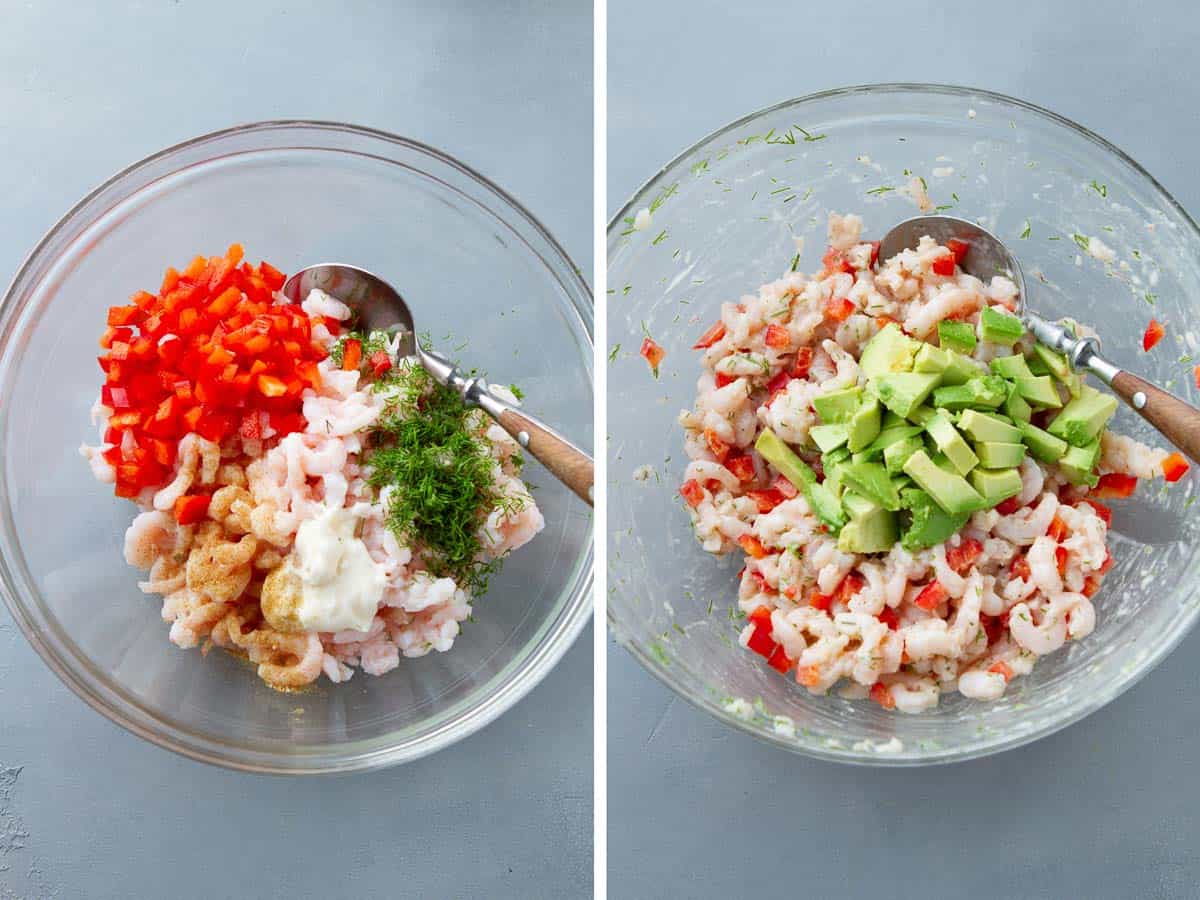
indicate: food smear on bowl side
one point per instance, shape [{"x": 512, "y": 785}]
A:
[
  {"x": 307, "y": 498},
  {"x": 914, "y": 483}
]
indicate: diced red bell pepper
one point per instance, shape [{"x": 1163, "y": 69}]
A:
[
  {"x": 1060, "y": 558},
  {"x": 778, "y": 383},
  {"x": 351, "y": 355},
  {"x": 720, "y": 449},
  {"x": 270, "y": 386},
  {"x": 931, "y": 596},
  {"x": 1000, "y": 667},
  {"x": 761, "y": 615},
  {"x": 785, "y": 487},
  {"x": 761, "y": 641},
  {"x": 710, "y": 337},
  {"x": 958, "y": 248},
  {"x": 962, "y": 557},
  {"x": 1020, "y": 568},
  {"x": 804, "y": 358},
  {"x": 823, "y": 602},
  {"x": 839, "y": 310},
  {"x": 271, "y": 275},
  {"x": 1153, "y": 334},
  {"x": 780, "y": 661},
  {"x": 741, "y": 466},
  {"x": 993, "y": 627},
  {"x": 692, "y": 492},
  {"x": 1091, "y": 585},
  {"x": 943, "y": 265},
  {"x": 777, "y": 337},
  {"x": 1057, "y": 530},
  {"x": 766, "y": 500},
  {"x": 653, "y": 354},
  {"x": 191, "y": 508},
  {"x": 1009, "y": 506},
  {"x": 752, "y": 545},
  {"x": 124, "y": 315},
  {"x": 835, "y": 261},
  {"x": 1114, "y": 486},
  {"x": 889, "y": 617},
  {"x": 882, "y": 695},
  {"x": 1174, "y": 467},
  {"x": 874, "y": 253},
  {"x": 722, "y": 379},
  {"x": 1108, "y": 563},
  {"x": 849, "y": 587}
]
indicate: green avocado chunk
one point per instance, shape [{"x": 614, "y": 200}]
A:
[
  {"x": 1083, "y": 418},
  {"x": 931, "y": 360},
  {"x": 871, "y": 529},
  {"x": 986, "y": 390},
  {"x": 1011, "y": 366},
  {"x": 890, "y": 350},
  {"x": 838, "y": 407},
  {"x": 1044, "y": 446},
  {"x": 872, "y": 481},
  {"x": 996, "y": 485},
  {"x": 829, "y": 437},
  {"x": 961, "y": 370},
  {"x": 929, "y": 524},
  {"x": 998, "y": 327},
  {"x": 981, "y": 426},
  {"x": 895, "y": 455},
  {"x": 1038, "y": 391},
  {"x": 902, "y": 392},
  {"x": 1078, "y": 462},
  {"x": 1015, "y": 406},
  {"x": 951, "y": 492},
  {"x": 823, "y": 502},
  {"x": 1056, "y": 364},
  {"x": 957, "y": 336},
  {"x": 994, "y": 455},
  {"x": 947, "y": 439},
  {"x": 863, "y": 426},
  {"x": 888, "y": 435}
]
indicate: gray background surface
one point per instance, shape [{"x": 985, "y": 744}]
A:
[
  {"x": 1107, "y": 808},
  {"x": 87, "y": 809}
]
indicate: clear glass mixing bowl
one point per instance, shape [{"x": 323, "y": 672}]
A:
[
  {"x": 481, "y": 274},
  {"x": 724, "y": 215}
]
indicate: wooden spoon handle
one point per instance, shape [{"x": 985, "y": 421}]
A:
[
  {"x": 1178, "y": 422},
  {"x": 573, "y": 467}
]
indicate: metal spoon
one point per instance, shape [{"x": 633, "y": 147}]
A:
[
  {"x": 379, "y": 307},
  {"x": 1178, "y": 421}
]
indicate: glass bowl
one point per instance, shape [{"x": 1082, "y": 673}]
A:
[
  {"x": 482, "y": 276},
  {"x": 724, "y": 214}
]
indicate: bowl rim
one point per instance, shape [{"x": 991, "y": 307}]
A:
[
  {"x": 847, "y": 756},
  {"x": 577, "y": 612}
]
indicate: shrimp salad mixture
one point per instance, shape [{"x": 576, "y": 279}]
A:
[
  {"x": 306, "y": 499},
  {"x": 915, "y": 485}
]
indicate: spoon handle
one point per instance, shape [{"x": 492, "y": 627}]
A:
[
  {"x": 1179, "y": 422},
  {"x": 573, "y": 467}
]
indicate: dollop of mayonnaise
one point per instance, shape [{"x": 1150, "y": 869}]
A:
[{"x": 340, "y": 585}]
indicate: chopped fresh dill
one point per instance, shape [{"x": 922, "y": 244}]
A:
[
  {"x": 428, "y": 448},
  {"x": 667, "y": 192},
  {"x": 881, "y": 190},
  {"x": 662, "y": 236},
  {"x": 517, "y": 392},
  {"x": 612, "y": 354},
  {"x": 1081, "y": 240},
  {"x": 699, "y": 167},
  {"x": 1101, "y": 189},
  {"x": 1025, "y": 232},
  {"x": 809, "y": 138}
]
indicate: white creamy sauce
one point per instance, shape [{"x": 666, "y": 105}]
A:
[{"x": 341, "y": 585}]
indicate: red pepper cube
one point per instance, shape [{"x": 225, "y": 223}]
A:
[
  {"x": 943, "y": 265},
  {"x": 191, "y": 508},
  {"x": 710, "y": 337}
]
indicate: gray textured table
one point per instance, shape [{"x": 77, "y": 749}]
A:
[
  {"x": 1106, "y": 808},
  {"x": 87, "y": 809}
]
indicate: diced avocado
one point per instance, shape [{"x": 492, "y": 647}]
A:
[
  {"x": 895, "y": 455},
  {"x": 930, "y": 524},
  {"x": 1038, "y": 391},
  {"x": 1082, "y": 419},
  {"x": 996, "y": 485},
  {"x": 998, "y": 327},
  {"x": 986, "y": 390},
  {"x": 1037, "y": 365},
  {"x": 922, "y": 414},
  {"x": 1043, "y": 445},
  {"x": 994, "y": 455},
  {"x": 931, "y": 360},
  {"x": 864, "y": 425},
  {"x": 891, "y": 350},
  {"x": 1055, "y": 362},
  {"x": 888, "y": 436},
  {"x": 1078, "y": 462},
  {"x": 871, "y": 529},
  {"x": 942, "y": 461},
  {"x": 902, "y": 392},
  {"x": 950, "y": 492},
  {"x": 837, "y": 407},
  {"x": 948, "y": 441},
  {"x": 1011, "y": 366},
  {"x": 1015, "y": 406},
  {"x": 829, "y": 437},
  {"x": 871, "y": 480},
  {"x": 822, "y": 501},
  {"x": 961, "y": 370},
  {"x": 958, "y": 336},
  {"x": 981, "y": 426},
  {"x": 890, "y": 419}
]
